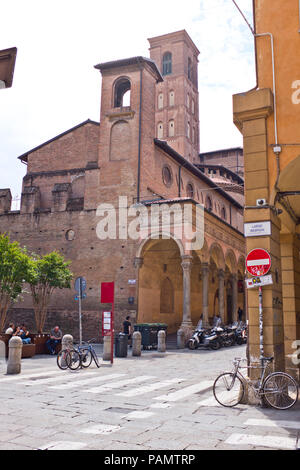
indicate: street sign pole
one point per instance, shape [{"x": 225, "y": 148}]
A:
[
  {"x": 80, "y": 314},
  {"x": 258, "y": 263},
  {"x": 261, "y": 325}
]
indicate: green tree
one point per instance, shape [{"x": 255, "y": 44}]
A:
[
  {"x": 50, "y": 272},
  {"x": 15, "y": 267}
]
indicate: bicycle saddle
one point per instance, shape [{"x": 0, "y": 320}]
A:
[{"x": 268, "y": 359}]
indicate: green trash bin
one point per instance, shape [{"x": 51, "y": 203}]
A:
[{"x": 149, "y": 332}]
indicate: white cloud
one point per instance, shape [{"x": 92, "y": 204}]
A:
[{"x": 55, "y": 85}]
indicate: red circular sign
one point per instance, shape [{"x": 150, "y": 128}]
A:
[{"x": 258, "y": 262}]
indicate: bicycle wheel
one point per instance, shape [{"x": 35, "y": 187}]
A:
[
  {"x": 74, "y": 361},
  {"x": 95, "y": 357},
  {"x": 63, "y": 359},
  {"x": 228, "y": 390},
  {"x": 280, "y": 391},
  {"x": 86, "y": 358}
]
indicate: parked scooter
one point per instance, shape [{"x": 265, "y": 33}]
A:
[
  {"x": 198, "y": 337},
  {"x": 241, "y": 334}
]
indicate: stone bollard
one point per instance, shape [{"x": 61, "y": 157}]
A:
[
  {"x": 2, "y": 357},
  {"x": 180, "y": 339},
  {"x": 14, "y": 356},
  {"x": 137, "y": 344},
  {"x": 107, "y": 348},
  {"x": 66, "y": 343},
  {"x": 162, "y": 341}
]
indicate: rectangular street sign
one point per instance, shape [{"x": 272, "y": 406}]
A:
[
  {"x": 258, "y": 229},
  {"x": 107, "y": 323},
  {"x": 259, "y": 282}
]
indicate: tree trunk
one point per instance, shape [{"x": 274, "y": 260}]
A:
[{"x": 4, "y": 305}]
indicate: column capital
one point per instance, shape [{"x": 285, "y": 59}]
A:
[
  {"x": 221, "y": 273},
  {"x": 138, "y": 262},
  {"x": 205, "y": 268},
  {"x": 187, "y": 262}
]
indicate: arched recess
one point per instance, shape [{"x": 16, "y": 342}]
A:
[
  {"x": 154, "y": 238},
  {"x": 216, "y": 254},
  {"x": 120, "y": 132},
  {"x": 230, "y": 261},
  {"x": 122, "y": 87}
]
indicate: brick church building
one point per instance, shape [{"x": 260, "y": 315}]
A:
[{"x": 145, "y": 149}]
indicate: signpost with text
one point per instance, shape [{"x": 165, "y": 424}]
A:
[
  {"x": 258, "y": 265},
  {"x": 108, "y": 297}
]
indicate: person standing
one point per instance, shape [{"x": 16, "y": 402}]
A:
[
  {"x": 240, "y": 314},
  {"x": 127, "y": 327}
]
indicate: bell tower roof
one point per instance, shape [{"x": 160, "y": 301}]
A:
[{"x": 131, "y": 61}]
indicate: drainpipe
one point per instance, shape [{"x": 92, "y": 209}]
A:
[
  {"x": 179, "y": 181},
  {"x": 277, "y": 149},
  {"x": 140, "y": 139}
]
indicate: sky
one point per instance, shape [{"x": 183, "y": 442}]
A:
[{"x": 55, "y": 84}]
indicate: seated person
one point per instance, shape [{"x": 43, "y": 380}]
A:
[
  {"x": 24, "y": 335},
  {"x": 10, "y": 330},
  {"x": 55, "y": 339}
]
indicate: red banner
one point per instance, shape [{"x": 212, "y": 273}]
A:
[{"x": 107, "y": 292}]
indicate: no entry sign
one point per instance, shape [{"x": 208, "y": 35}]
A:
[{"x": 258, "y": 262}]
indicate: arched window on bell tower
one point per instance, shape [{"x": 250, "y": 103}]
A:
[
  {"x": 122, "y": 93},
  {"x": 167, "y": 64},
  {"x": 160, "y": 130}
]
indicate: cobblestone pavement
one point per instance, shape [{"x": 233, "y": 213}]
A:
[{"x": 156, "y": 402}]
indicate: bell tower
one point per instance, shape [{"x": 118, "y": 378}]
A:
[
  {"x": 126, "y": 125},
  {"x": 177, "y": 97}
]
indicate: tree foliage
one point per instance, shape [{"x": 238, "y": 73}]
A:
[
  {"x": 15, "y": 267},
  {"x": 50, "y": 272}
]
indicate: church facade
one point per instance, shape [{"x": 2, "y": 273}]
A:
[{"x": 144, "y": 154}]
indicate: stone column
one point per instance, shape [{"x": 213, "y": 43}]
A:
[
  {"x": 290, "y": 262},
  {"x": 205, "y": 291},
  {"x": 252, "y": 111},
  {"x": 138, "y": 264},
  {"x": 187, "y": 268},
  {"x": 221, "y": 276},
  {"x": 234, "y": 280}
]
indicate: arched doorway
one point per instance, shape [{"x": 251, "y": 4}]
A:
[{"x": 160, "y": 295}]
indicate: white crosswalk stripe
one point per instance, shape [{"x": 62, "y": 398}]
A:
[
  {"x": 67, "y": 376},
  {"x": 272, "y": 442},
  {"x": 101, "y": 429},
  {"x": 211, "y": 401},
  {"x": 26, "y": 376},
  {"x": 138, "y": 415},
  {"x": 185, "y": 392},
  {"x": 149, "y": 388},
  {"x": 82, "y": 383},
  {"x": 119, "y": 384},
  {"x": 268, "y": 423},
  {"x": 63, "y": 445}
]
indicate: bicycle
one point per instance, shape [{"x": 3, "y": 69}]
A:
[
  {"x": 278, "y": 389},
  {"x": 74, "y": 358},
  {"x": 66, "y": 357},
  {"x": 87, "y": 354}
]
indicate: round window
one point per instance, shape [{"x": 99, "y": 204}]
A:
[{"x": 167, "y": 175}]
